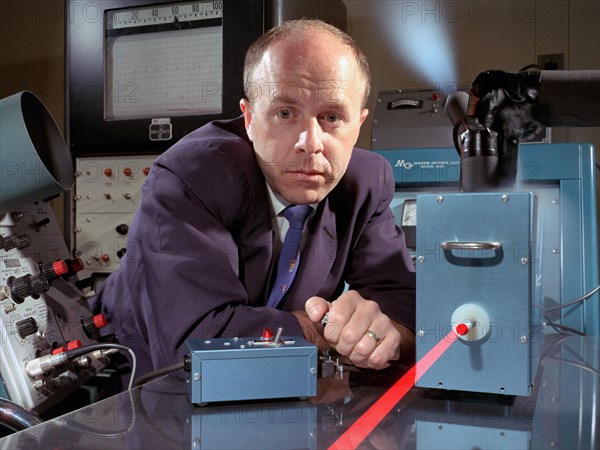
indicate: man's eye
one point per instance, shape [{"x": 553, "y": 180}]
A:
[
  {"x": 332, "y": 117},
  {"x": 284, "y": 114}
]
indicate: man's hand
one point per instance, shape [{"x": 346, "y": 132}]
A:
[{"x": 358, "y": 329}]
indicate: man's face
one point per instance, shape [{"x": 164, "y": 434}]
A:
[{"x": 305, "y": 116}]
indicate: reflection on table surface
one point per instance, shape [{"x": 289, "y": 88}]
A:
[{"x": 562, "y": 413}]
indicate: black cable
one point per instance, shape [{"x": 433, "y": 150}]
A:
[
  {"x": 574, "y": 302},
  {"x": 77, "y": 352},
  {"x": 157, "y": 373},
  {"x": 558, "y": 327},
  {"x": 576, "y": 364}
]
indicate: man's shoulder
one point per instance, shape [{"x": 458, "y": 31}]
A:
[
  {"x": 365, "y": 166},
  {"x": 211, "y": 149},
  {"x": 209, "y": 140}
]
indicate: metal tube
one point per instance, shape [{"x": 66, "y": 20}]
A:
[
  {"x": 16, "y": 417},
  {"x": 569, "y": 98}
]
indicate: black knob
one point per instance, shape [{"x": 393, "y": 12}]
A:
[
  {"x": 9, "y": 242},
  {"x": 39, "y": 284},
  {"x": 27, "y": 327},
  {"x": 27, "y": 285},
  {"x": 122, "y": 229},
  {"x": 20, "y": 288},
  {"x": 121, "y": 253}
]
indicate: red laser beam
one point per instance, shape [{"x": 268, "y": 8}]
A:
[{"x": 360, "y": 429}]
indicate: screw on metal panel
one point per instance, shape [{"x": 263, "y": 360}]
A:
[
  {"x": 439, "y": 199},
  {"x": 523, "y": 339},
  {"x": 505, "y": 197},
  {"x": 524, "y": 260},
  {"x": 421, "y": 333},
  {"x": 556, "y": 251},
  {"x": 197, "y": 376},
  {"x": 197, "y": 442},
  {"x": 421, "y": 259},
  {"x": 556, "y": 201},
  {"x": 313, "y": 371}
]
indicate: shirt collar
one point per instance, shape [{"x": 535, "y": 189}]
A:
[{"x": 278, "y": 203}]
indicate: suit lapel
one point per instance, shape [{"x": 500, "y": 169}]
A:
[{"x": 318, "y": 257}]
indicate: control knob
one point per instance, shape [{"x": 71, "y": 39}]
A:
[
  {"x": 122, "y": 229},
  {"x": 27, "y": 285},
  {"x": 91, "y": 325},
  {"x": 54, "y": 270},
  {"x": 27, "y": 327},
  {"x": 13, "y": 241}
]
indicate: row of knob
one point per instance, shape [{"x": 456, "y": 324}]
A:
[
  {"x": 90, "y": 325},
  {"x": 19, "y": 288}
]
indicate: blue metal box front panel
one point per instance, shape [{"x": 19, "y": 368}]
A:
[
  {"x": 242, "y": 369},
  {"x": 495, "y": 281},
  {"x": 287, "y": 425}
]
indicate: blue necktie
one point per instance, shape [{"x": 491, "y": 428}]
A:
[{"x": 289, "y": 258}]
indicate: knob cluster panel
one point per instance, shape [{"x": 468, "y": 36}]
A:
[
  {"x": 42, "y": 311},
  {"x": 107, "y": 192}
]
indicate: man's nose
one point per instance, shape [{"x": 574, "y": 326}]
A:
[{"x": 310, "y": 139}]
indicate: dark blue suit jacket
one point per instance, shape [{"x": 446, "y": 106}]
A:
[{"x": 200, "y": 251}]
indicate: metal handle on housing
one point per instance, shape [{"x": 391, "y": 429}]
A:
[{"x": 471, "y": 245}]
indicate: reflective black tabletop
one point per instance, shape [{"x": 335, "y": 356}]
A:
[{"x": 562, "y": 413}]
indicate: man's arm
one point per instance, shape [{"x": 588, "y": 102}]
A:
[
  {"x": 184, "y": 273},
  {"x": 372, "y": 323},
  {"x": 351, "y": 320}
]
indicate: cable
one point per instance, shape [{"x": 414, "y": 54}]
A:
[
  {"x": 15, "y": 417},
  {"x": 77, "y": 352},
  {"x": 157, "y": 373},
  {"x": 559, "y": 327},
  {"x": 575, "y": 364},
  {"x": 577, "y": 300}
]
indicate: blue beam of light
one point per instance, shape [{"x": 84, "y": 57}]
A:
[{"x": 420, "y": 36}]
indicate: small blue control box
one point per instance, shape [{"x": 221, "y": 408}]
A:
[{"x": 234, "y": 369}]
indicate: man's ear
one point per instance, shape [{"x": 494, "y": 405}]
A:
[
  {"x": 247, "y": 112},
  {"x": 363, "y": 115}
]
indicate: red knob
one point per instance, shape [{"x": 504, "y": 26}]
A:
[
  {"x": 60, "y": 267},
  {"x": 267, "y": 334},
  {"x": 99, "y": 320}
]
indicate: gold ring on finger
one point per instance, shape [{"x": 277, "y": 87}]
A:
[{"x": 373, "y": 336}]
